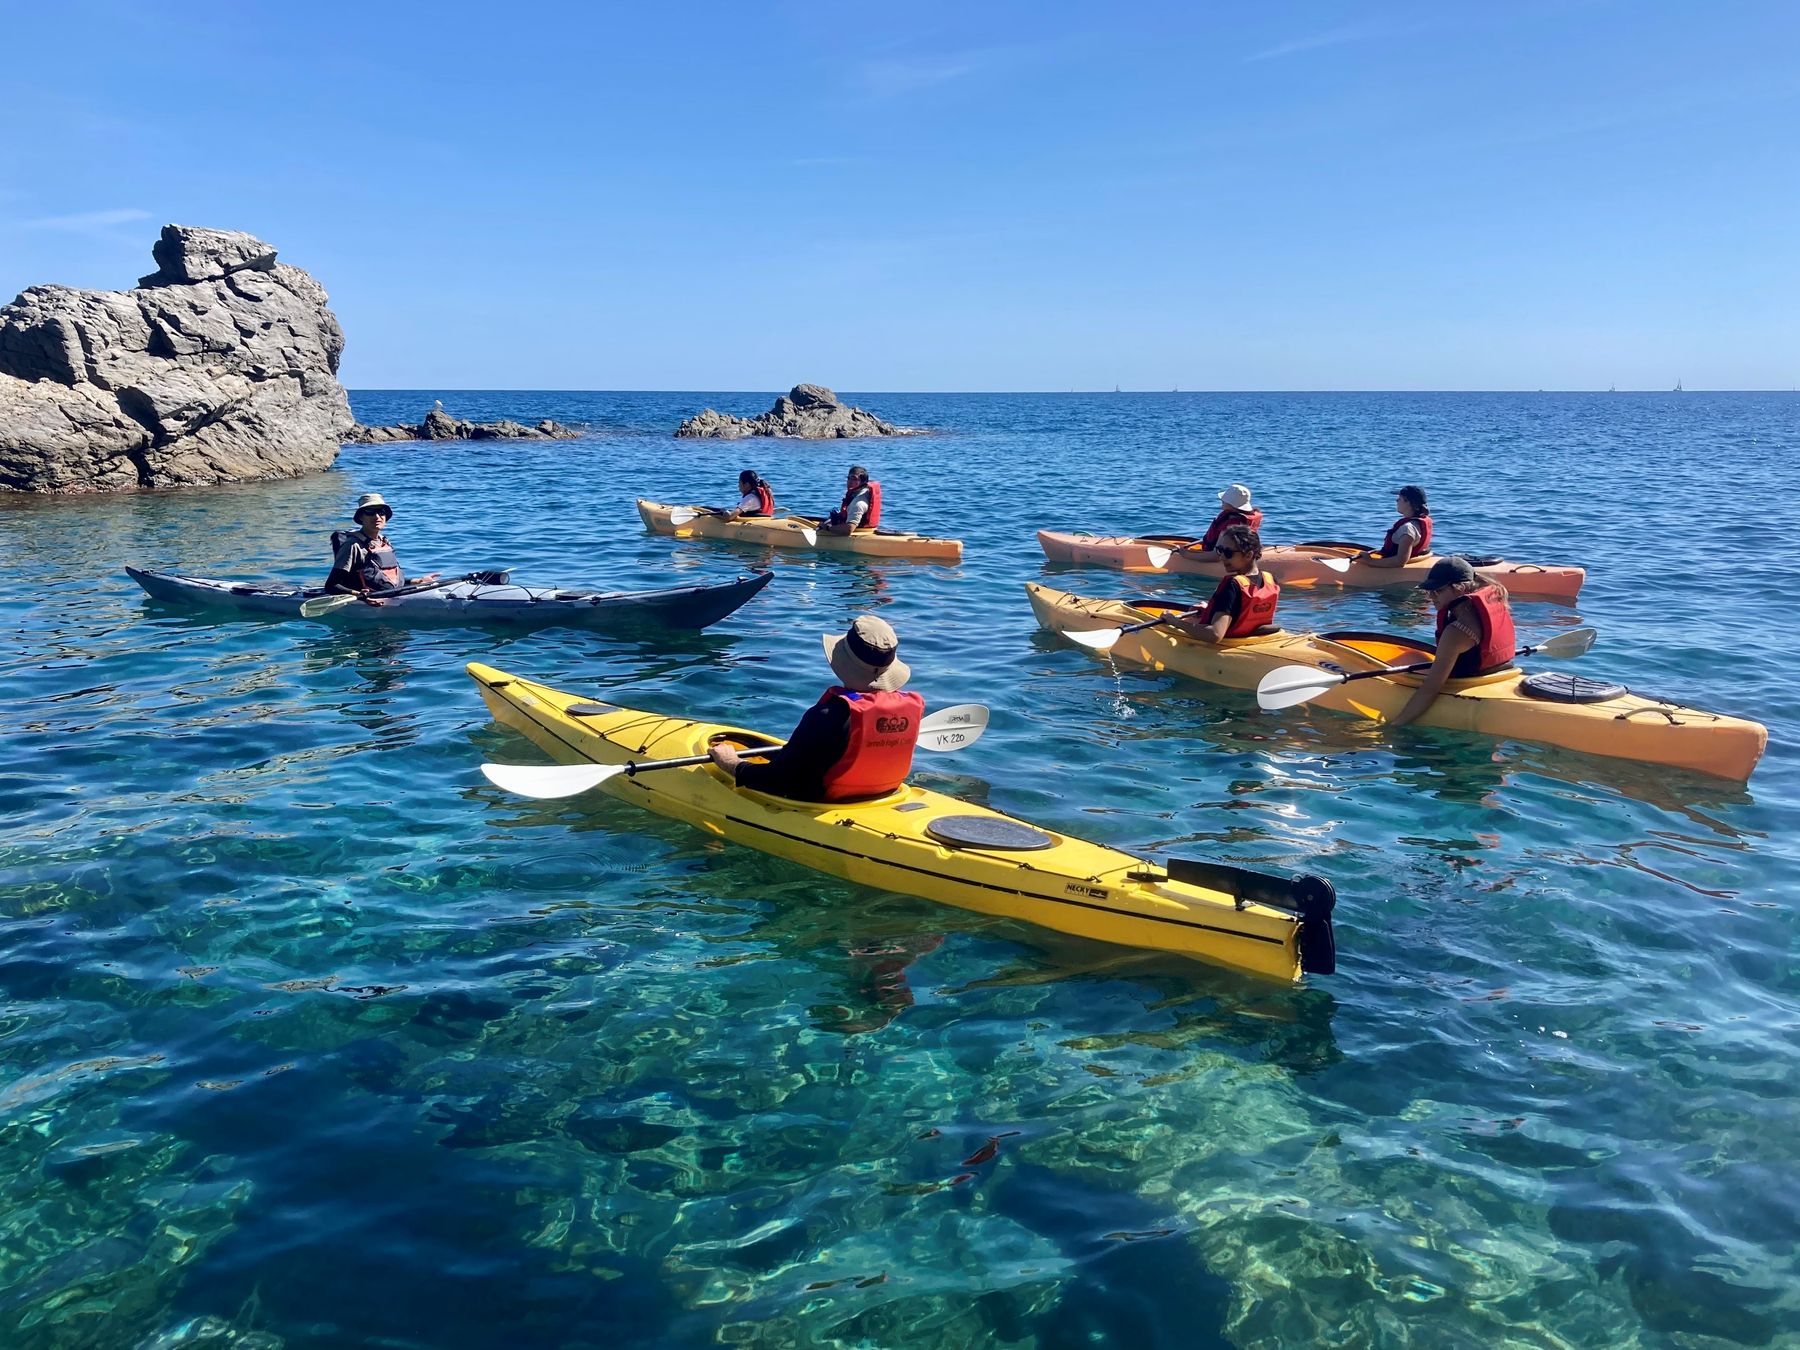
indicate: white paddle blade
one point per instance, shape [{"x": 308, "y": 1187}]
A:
[
  {"x": 1287, "y": 688},
  {"x": 546, "y": 781},
  {"x": 681, "y": 515},
  {"x": 810, "y": 535},
  {"x": 953, "y": 728},
  {"x": 1159, "y": 557},
  {"x": 1098, "y": 639},
  {"x": 1575, "y": 642},
  {"x": 1335, "y": 564},
  {"x": 324, "y": 604}
]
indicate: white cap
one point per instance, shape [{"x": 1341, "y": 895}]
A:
[{"x": 1237, "y": 496}]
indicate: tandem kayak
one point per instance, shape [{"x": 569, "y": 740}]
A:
[
  {"x": 465, "y": 602},
  {"x": 795, "y": 532},
  {"x": 1610, "y": 720},
  {"x": 919, "y": 842},
  {"x": 1299, "y": 564}
]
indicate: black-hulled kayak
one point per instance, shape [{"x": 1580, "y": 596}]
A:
[{"x": 474, "y": 602}]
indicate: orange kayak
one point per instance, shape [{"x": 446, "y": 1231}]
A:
[
  {"x": 1297, "y": 564},
  {"x": 701, "y": 522},
  {"x": 1622, "y": 725}
]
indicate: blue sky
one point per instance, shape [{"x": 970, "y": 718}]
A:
[{"x": 932, "y": 196}]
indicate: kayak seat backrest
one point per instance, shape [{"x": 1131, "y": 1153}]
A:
[
  {"x": 1169, "y": 539},
  {"x": 1555, "y": 686},
  {"x": 1481, "y": 559},
  {"x": 1383, "y": 646}
]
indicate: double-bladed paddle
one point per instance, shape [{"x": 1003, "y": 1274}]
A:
[
  {"x": 683, "y": 515},
  {"x": 1102, "y": 639},
  {"x": 1294, "y": 685},
  {"x": 953, "y": 728},
  {"x": 320, "y": 605},
  {"x": 1159, "y": 558}
]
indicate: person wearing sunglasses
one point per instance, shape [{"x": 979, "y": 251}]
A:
[
  {"x": 363, "y": 562},
  {"x": 1243, "y": 603}
]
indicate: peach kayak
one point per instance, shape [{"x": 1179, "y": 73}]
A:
[{"x": 1298, "y": 564}]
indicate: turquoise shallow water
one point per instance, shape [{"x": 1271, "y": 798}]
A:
[{"x": 308, "y": 1037}]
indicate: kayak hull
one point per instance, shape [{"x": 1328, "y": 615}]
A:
[
  {"x": 685, "y": 607},
  {"x": 1296, "y": 564},
  {"x": 1650, "y": 731},
  {"x": 789, "y": 532},
  {"x": 1071, "y": 885}
]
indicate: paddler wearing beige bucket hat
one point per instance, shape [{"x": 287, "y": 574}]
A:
[
  {"x": 856, "y": 741},
  {"x": 363, "y": 562}
]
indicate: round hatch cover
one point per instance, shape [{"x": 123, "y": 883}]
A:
[
  {"x": 1557, "y": 687},
  {"x": 987, "y": 832}
]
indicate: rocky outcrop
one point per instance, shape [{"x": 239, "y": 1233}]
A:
[
  {"x": 440, "y": 426},
  {"x": 220, "y": 366},
  {"x": 809, "y": 411}
]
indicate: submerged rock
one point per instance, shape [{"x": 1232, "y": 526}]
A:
[
  {"x": 219, "y": 366},
  {"x": 440, "y": 426},
  {"x": 807, "y": 411}
]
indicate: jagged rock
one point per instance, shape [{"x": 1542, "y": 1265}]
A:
[
  {"x": 187, "y": 253},
  {"x": 807, "y": 411},
  {"x": 440, "y": 426},
  {"x": 220, "y": 366}
]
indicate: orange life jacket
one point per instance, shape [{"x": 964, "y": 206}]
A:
[
  {"x": 873, "y": 518},
  {"x": 1389, "y": 548},
  {"x": 1225, "y": 519},
  {"x": 1498, "y": 642},
  {"x": 1255, "y": 609},
  {"x": 884, "y": 728},
  {"x": 765, "y": 498}
]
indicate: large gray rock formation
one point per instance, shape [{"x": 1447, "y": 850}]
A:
[
  {"x": 809, "y": 411},
  {"x": 441, "y": 426},
  {"x": 220, "y": 366}
]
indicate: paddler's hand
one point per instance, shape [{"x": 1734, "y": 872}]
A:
[
  {"x": 371, "y": 600},
  {"x": 420, "y": 581},
  {"x": 725, "y": 756}
]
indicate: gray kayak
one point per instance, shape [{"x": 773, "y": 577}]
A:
[{"x": 467, "y": 601}]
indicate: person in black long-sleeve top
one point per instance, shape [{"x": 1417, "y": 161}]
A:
[{"x": 857, "y": 741}]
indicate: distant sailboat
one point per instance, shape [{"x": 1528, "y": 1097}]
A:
[
  {"x": 1115, "y": 389},
  {"x": 1678, "y": 389},
  {"x": 1612, "y": 388}
]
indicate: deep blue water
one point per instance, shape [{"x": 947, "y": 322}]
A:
[{"x": 310, "y": 1038}]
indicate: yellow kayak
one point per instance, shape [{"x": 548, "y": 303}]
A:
[
  {"x": 920, "y": 842},
  {"x": 1624, "y": 725},
  {"x": 796, "y": 532}
]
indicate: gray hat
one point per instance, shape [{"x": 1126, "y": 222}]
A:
[
  {"x": 1447, "y": 572},
  {"x": 370, "y": 501},
  {"x": 864, "y": 657}
]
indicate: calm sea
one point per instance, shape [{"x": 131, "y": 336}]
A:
[{"x": 310, "y": 1038}]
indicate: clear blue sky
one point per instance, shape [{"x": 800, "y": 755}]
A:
[{"x": 1434, "y": 195}]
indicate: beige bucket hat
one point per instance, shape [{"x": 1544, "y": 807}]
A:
[
  {"x": 864, "y": 657},
  {"x": 370, "y": 501}
]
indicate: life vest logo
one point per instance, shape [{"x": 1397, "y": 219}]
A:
[{"x": 892, "y": 726}]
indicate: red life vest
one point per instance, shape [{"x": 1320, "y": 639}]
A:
[
  {"x": 380, "y": 567},
  {"x": 765, "y": 498},
  {"x": 884, "y": 728},
  {"x": 873, "y": 518},
  {"x": 1255, "y": 608},
  {"x": 1421, "y": 549},
  {"x": 1225, "y": 520},
  {"x": 1498, "y": 642}
]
